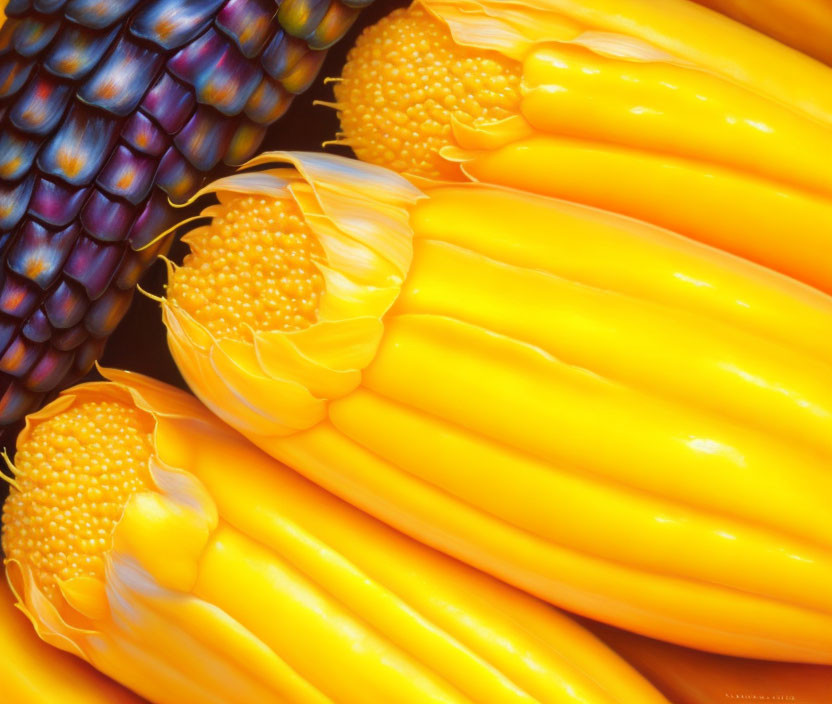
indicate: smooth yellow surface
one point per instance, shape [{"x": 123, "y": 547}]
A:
[
  {"x": 806, "y": 25},
  {"x": 789, "y": 228},
  {"x": 681, "y": 110},
  {"x": 34, "y": 673},
  {"x": 233, "y": 579},
  {"x": 625, "y": 422},
  {"x": 664, "y": 111}
]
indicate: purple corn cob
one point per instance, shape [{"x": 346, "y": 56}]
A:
[{"x": 108, "y": 108}]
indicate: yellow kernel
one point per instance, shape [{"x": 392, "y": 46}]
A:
[
  {"x": 57, "y": 521},
  {"x": 259, "y": 276},
  {"x": 404, "y": 80}
]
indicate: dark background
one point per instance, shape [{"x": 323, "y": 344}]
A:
[{"x": 139, "y": 342}]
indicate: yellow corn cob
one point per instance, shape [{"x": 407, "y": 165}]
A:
[
  {"x": 625, "y": 422},
  {"x": 660, "y": 110},
  {"x": 803, "y": 24},
  {"x": 34, "y": 673},
  {"x": 147, "y": 537}
]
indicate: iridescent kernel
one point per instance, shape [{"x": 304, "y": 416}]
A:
[
  {"x": 252, "y": 268},
  {"x": 74, "y": 475},
  {"x": 403, "y": 82}
]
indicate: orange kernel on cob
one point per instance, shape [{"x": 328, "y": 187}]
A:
[
  {"x": 253, "y": 267},
  {"x": 75, "y": 473},
  {"x": 405, "y": 80}
]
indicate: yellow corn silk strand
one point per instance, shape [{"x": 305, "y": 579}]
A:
[
  {"x": 661, "y": 110},
  {"x": 34, "y": 673},
  {"x": 804, "y": 25},
  {"x": 625, "y": 422},
  {"x": 145, "y": 536}
]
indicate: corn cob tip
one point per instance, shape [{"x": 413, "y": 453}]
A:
[
  {"x": 294, "y": 270},
  {"x": 406, "y": 82},
  {"x": 261, "y": 263},
  {"x": 73, "y": 475},
  {"x": 88, "y": 485}
]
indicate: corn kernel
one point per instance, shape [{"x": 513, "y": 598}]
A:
[
  {"x": 254, "y": 268},
  {"x": 403, "y": 82},
  {"x": 75, "y": 473}
]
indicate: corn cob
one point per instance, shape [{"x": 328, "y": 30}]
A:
[
  {"x": 32, "y": 673},
  {"x": 692, "y": 677},
  {"x": 804, "y": 25},
  {"x": 627, "y": 423},
  {"x": 660, "y": 110},
  {"x": 109, "y": 109},
  {"x": 192, "y": 584}
]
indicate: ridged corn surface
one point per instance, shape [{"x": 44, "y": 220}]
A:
[
  {"x": 108, "y": 109},
  {"x": 254, "y": 585},
  {"x": 625, "y": 422},
  {"x": 622, "y": 106}
]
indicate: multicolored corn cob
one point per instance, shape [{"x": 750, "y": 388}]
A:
[{"x": 108, "y": 109}]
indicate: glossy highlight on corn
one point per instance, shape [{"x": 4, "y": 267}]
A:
[
  {"x": 622, "y": 421},
  {"x": 148, "y": 538},
  {"x": 667, "y": 112}
]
